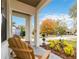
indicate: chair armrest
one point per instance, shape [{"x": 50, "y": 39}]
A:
[
  {"x": 46, "y": 56},
  {"x": 21, "y": 50}
]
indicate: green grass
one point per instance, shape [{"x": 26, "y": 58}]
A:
[
  {"x": 72, "y": 42},
  {"x": 54, "y": 36}
]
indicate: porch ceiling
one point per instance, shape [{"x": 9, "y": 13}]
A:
[{"x": 33, "y": 3}]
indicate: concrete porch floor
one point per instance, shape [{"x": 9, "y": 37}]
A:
[{"x": 41, "y": 51}]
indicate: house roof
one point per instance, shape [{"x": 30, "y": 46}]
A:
[{"x": 33, "y": 3}]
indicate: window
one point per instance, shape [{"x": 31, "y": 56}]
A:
[
  {"x": 3, "y": 21},
  {"x": 19, "y": 25},
  {"x": 3, "y": 29}
]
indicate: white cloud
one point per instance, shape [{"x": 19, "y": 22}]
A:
[
  {"x": 66, "y": 17},
  {"x": 61, "y": 16}
]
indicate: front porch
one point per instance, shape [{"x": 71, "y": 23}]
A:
[
  {"x": 41, "y": 51},
  {"x": 25, "y": 9}
]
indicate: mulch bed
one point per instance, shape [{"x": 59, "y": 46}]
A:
[{"x": 61, "y": 54}]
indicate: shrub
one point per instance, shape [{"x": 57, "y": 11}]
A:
[
  {"x": 51, "y": 43},
  {"x": 69, "y": 50},
  {"x": 65, "y": 43},
  {"x": 22, "y": 33},
  {"x": 56, "y": 41},
  {"x": 57, "y": 48}
]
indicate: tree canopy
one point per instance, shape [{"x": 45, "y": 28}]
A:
[
  {"x": 48, "y": 26},
  {"x": 73, "y": 11}
]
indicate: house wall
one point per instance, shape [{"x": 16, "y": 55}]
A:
[
  {"x": 4, "y": 44},
  {"x": 4, "y": 50},
  {"x": 3, "y": 21}
]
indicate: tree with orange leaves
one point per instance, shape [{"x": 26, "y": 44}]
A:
[{"x": 48, "y": 26}]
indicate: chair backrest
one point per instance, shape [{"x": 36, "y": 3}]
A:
[{"x": 16, "y": 45}]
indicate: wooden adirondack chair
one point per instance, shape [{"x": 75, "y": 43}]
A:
[{"x": 23, "y": 51}]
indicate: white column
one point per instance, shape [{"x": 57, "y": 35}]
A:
[
  {"x": 36, "y": 27},
  {"x": 28, "y": 28},
  {"x": 9, "y": 24},
  {"x": 9, "y": 20},
  {"x": 26, "y": 37}
]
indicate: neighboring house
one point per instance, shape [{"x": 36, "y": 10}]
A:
[
  {"x": 17, "y": 31},
  {"x": 13, "y": 30}
]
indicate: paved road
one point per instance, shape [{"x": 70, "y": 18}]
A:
[{"x": 65, "y": 37}]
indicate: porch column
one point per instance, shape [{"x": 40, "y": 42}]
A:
[
  {"x": 9, "y": 20},
  {"x": 9, "y": 24},
  {"x": 36, "y": 31},
  {"x": 28, "y": 28}
]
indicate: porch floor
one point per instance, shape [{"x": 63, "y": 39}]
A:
[{"x": 41, "y": 51}]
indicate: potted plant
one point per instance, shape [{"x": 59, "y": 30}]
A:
[
  {"x": 43, "y": 38},
  {"x": 22, "y": 33}
]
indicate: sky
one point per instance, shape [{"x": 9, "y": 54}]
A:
[
  {"x": 18, "y": 20},
  {"x": 55, "y": 9}
]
